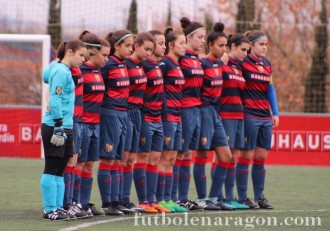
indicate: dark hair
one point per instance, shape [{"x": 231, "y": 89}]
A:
[
  {"x": 143, "y": 36},
  {"x": 91, "y": 40},
  {"x": 117, "y": 37},
  {"x": 74, "y": 45},
  {"x": 254, "y": 35},
  {"x": 155, "y": 32},
  {"x": 104, "y": 43},
  {"x": 216, "y": 33},
  {"x": 188, "y": 26},
  {"x": 171, "y": 36},
  {"x": 237, "y": 39}
]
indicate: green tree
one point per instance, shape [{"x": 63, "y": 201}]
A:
[
  {"x": 169, "y": 15},
  {"x": 315, "y": 91},
  {"x": 245, "y": 16},
  {"x": 54, "y": 28},
  {"x": 132, "y": 18},
  {"x": 208, "y": 22}
]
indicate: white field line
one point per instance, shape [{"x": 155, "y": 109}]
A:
[{"x": 89, "y": 224}]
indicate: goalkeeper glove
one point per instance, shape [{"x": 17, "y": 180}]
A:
[{"x": 59, "y": 136}]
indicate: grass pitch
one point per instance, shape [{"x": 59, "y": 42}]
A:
[{"x": 300, "y": 196}]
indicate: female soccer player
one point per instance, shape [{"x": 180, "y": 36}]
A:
[
  {"x": 231, "y": 110},
  {"x": 212, "y": 134},
  {"x": 193, "y": 74},
  {"x": 259, "y": 98},
  {"x": 93, "y": 93},
  {"x": 145, "y": 171},
  {"x": 175, "y": 42},
  {"x": 143, "y": 47},
  {"x": 57, "y": 125},
  {"x": 72, "y": 173},
  {"x": 113, "y": 125}
]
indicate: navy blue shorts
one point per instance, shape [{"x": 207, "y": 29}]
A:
[
  {"x": 212, "y": 131},
  {"x": 257, "y": 132},
  {"x": 77, "y": 137},
  {"x": 191, "y": 125},
  {"x": 172, "y": 135},
  {"x": 113, "y": 128},
  {"x": 90, "y": 143},
  {"x": 152, "y": 137},
  {"x": 234, "y": 129},
  {"x": 134, "y": 122}
]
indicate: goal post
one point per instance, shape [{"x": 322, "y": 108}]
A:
[{"x": 45, "y": 40}]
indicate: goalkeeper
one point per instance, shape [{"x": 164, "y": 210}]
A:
[{"x": 56, "y": 127}]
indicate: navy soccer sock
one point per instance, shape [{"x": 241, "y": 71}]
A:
[
  {"x": 176, "y": 174},
  {"x": 258, "y": 178},
  {"x": 127, "y": 183},
  {"x": 218, "y": 179},
  {"x": 139, "y": 176},
  {"x": 242, "y": 176},
  {"x": 152, "y": 178},
  {"x": 104, "y": 183},
  {"x": 230, "y": 181},
  {"x": 184, "y": 180},
  {"x": 200, "y": 177}
]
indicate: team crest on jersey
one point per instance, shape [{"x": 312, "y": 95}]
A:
[
  {"x": 58, "y": 90},
  {"x": 97, "y": 77},
  {"x": 142, "y": 140},
  {"x": 228, "y": 138},
  {"x": 245, "y": 140},
  {"x": 108, "y": 148},
  {"x": 216, "y": 71},
  {"x": 195, "y": 63},
  {"x": 167, "y": 140},
  {"x": 180, "y": 73},
  {"x": 182, "y": 141},
  {"x": 140, "y": 71},
  {"x": 122, "y": 72},
  {"x": 203, "y": 140},
  {"x": 261, "y": 69},
  {"x": 158, "y": 72},
  {"x": 236, "y": 71}
]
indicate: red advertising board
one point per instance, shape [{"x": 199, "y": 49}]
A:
[
  {"x": 20, "y": 134},
  {"x": 301, "y": 139}
]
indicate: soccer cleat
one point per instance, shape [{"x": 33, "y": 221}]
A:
[
  {"x": 251, "y": 204},
  {"x": 225, "y": 206},
  {"x": 177, "y": 208},
  {"x": 237, "y": 205},
  {"x": 147, "y": 208},
  {"x": 207, "y": 204},
  {"x": 160, "y": 208},
  {"x": 264, "y": 204},
  {"x": 132, "y": 206},
  {"x": 112, "y": 211},
  {"x": 91, "y": 210},
  {"x": 77, "y": 210},
  {"x": 55, "y": 216},
  {"x": 190, "y": 205},
  {"x": 125, "y": 210},
  {"x": 165, "y": 205},
  {"x": 70, "y": 214}
]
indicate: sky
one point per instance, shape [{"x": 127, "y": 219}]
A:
[{"x": 101, "y": 14}]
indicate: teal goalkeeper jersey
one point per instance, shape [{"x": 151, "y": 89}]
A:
[{"x": 61, "y": 95}]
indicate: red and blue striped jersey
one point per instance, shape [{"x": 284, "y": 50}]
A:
[
  {"x": 212, "y": 81},
  {"x": 193, "y": 74},
  {"x": 154, "y": 92},
  {"x": 138, "y": 82},
  {"x": 93, "y": 93},
  {"x": 173, "y": 85},
  {"x": 116, "y": 82},
  {"x": 78, "y": 91},
  {"x": 257, "y": 74},
  {"x": 232, "y": 90}
]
